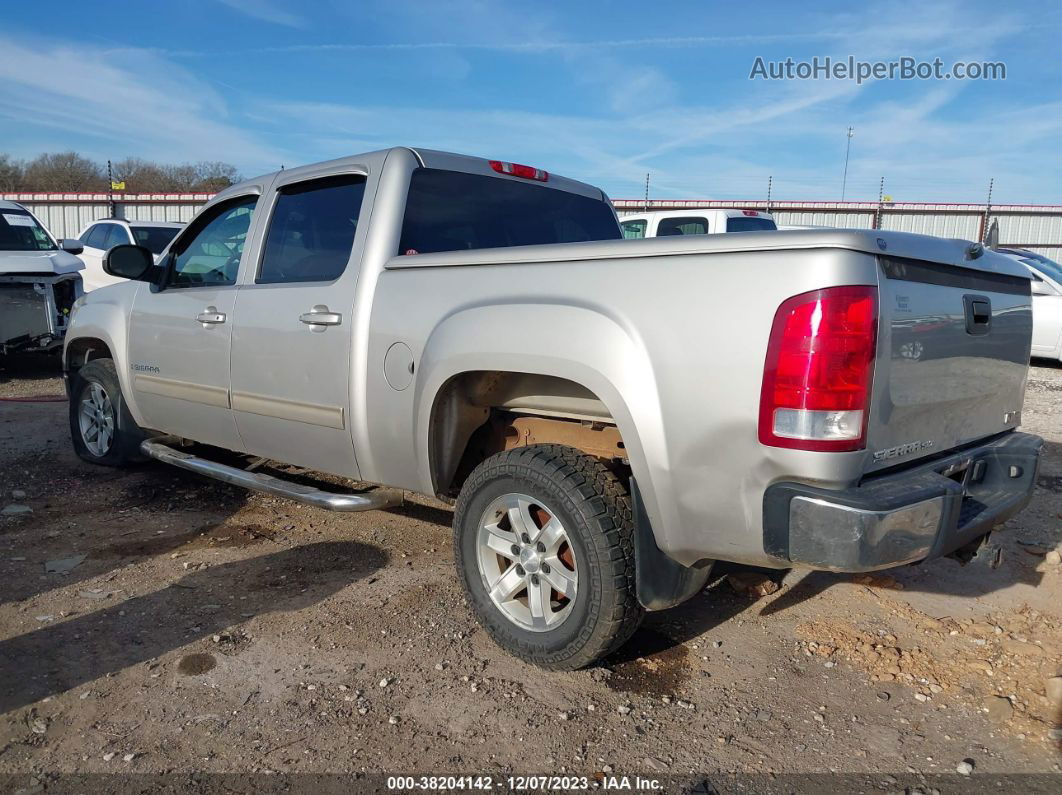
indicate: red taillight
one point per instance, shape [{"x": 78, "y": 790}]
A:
[
  {"x": 817, "y": 377},
  {"x": 517, "y": 170},
  {"x": 750, "y": 213}
]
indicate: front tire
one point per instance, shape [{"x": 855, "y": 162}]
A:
[
  {"x": 102, "y": 429},
  {"x": 544, "y": 544}
]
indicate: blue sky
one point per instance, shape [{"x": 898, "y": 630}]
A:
[{"x": 600, "y": 91}]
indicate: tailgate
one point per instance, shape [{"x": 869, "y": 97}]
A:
[{"x": 953, "y": 357}]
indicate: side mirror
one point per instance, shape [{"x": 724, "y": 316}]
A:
[
  {"x": 71, "y": 245},
  {"x": 1043, "y": 288},
  {"x": 129, "y": 262}
]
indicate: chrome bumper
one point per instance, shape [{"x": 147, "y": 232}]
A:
[{"x": 898, "y": 517}]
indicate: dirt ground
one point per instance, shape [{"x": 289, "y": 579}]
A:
[{"x": 200, "y": 628}]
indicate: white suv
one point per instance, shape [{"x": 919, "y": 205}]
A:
[{"x": 103, "y": 235}]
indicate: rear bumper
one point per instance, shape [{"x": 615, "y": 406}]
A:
[{"x": 921, "y": 512}]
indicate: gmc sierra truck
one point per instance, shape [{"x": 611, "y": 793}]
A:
[{"x": 611, "y": 416}]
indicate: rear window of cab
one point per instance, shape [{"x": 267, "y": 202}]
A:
[{"x": 455, "y": 211}]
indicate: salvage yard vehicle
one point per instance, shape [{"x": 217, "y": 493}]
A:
[
  {"x": 1047, "y": 301},
  {"x": 667, "y": 223},
  {"x": 611, "y": 416},
  {"x": 39, "y": 282},
  {"x": 98, "y": 238}
]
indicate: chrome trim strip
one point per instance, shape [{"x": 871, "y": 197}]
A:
[
  {"x": 159, "y": 449},
  {"x": 182, "y": 390},
  {"x": 297, "y": 411}
]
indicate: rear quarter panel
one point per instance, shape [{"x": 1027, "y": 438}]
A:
[{"x": 673, "y": 345}]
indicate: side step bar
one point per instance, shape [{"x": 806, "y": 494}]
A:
[{"x": 159, "y": 449}]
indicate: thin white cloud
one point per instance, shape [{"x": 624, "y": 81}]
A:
[
  {"x": 267, "y": 12},
  {"x": 135, "y": 103},
  {"x": 918, "y": 135}
]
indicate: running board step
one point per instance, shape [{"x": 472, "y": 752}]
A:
[{"x": 160, "y": 450}]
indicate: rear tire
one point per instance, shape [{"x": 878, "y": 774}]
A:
[
  {"x": 532, "y": 525},
  {"x": 102, "y": 429}
]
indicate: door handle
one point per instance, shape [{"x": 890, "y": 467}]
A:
[
  {"x": 210, "y": 316},
  {"x": 321, "y": 316}
]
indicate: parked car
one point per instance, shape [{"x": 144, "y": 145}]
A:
[
  {"x": 611, "y": 416},
  {"x": 1047, "y": 301},
  {"x": 39, "y": 282},
  {"x": 105, "y": 234},
  {"x": 664, "y": 223}
]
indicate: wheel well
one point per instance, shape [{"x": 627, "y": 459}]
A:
[
  {"x": 82, "y": 351},
  {"x": 477, "y": 414}
]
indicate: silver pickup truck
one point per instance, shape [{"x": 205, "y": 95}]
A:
[{"x": 612, "y": 416}]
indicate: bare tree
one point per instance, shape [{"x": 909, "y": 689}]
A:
[
  {"x": 141, "y": 176},
  {"x": 66, "y": 171},
  {"x": 214, "y": 176},
  {"x": 10, "y": 173},
  {"x": 70, "y": 171}
]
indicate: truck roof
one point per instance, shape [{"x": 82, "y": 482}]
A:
[{"x": 429, "y": 158}]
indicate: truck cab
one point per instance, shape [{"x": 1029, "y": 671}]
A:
[{"x": 667, "y": 223}]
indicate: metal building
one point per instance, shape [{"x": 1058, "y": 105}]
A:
[
  {"x": 66, "y": 214},
  {"x": 1038, "y": 227}
]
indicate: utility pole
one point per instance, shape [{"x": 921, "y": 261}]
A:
[
  {"x": 110, "y": 190},
  {"x": 769, "y": 181},
  {"x": 847, "y": 151},
  {"x": 881, "y": 198},
  {"x": 647, "y": 191},
  {"x": 988, "y": 211}
]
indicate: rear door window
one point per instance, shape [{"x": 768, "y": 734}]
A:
[
  {"x": 455, "y": 211},
  {"x": 749, "y": 224},
  {"x": 116, "y": 236},
  {"x": 154, "y": 238},
  {"x": 311, "y": 233},
  {"x": 96, "y": 237},
  {"x": 682, "y": 226}
]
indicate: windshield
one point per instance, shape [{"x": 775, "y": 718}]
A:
[
  {"x": 749, "y": 224},
  {"x": 19, "y": 231},
  {"x": 454, "y": 211},
  {"x": 633, "y": 229},
  {"x": 1046, "y": 266},
  {"x": 154, "y": 238}
]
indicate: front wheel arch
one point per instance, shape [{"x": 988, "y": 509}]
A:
[{"x": 85, "y": 384}]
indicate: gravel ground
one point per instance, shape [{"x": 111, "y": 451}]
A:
[{"x": 200, "y": 628}]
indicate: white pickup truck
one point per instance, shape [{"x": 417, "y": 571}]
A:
[
  {"x": 668, "y": 223},
  {"x": 612, "y": 416},
  {"x": 39, "y": 282}
]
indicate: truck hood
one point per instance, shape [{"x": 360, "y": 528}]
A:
[{"x": 54, "y": 262}]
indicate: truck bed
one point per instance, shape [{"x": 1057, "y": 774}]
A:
[{"x": 674, "y": 331}]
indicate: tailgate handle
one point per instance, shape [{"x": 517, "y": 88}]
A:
[{"x": 978, "y": 314}]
